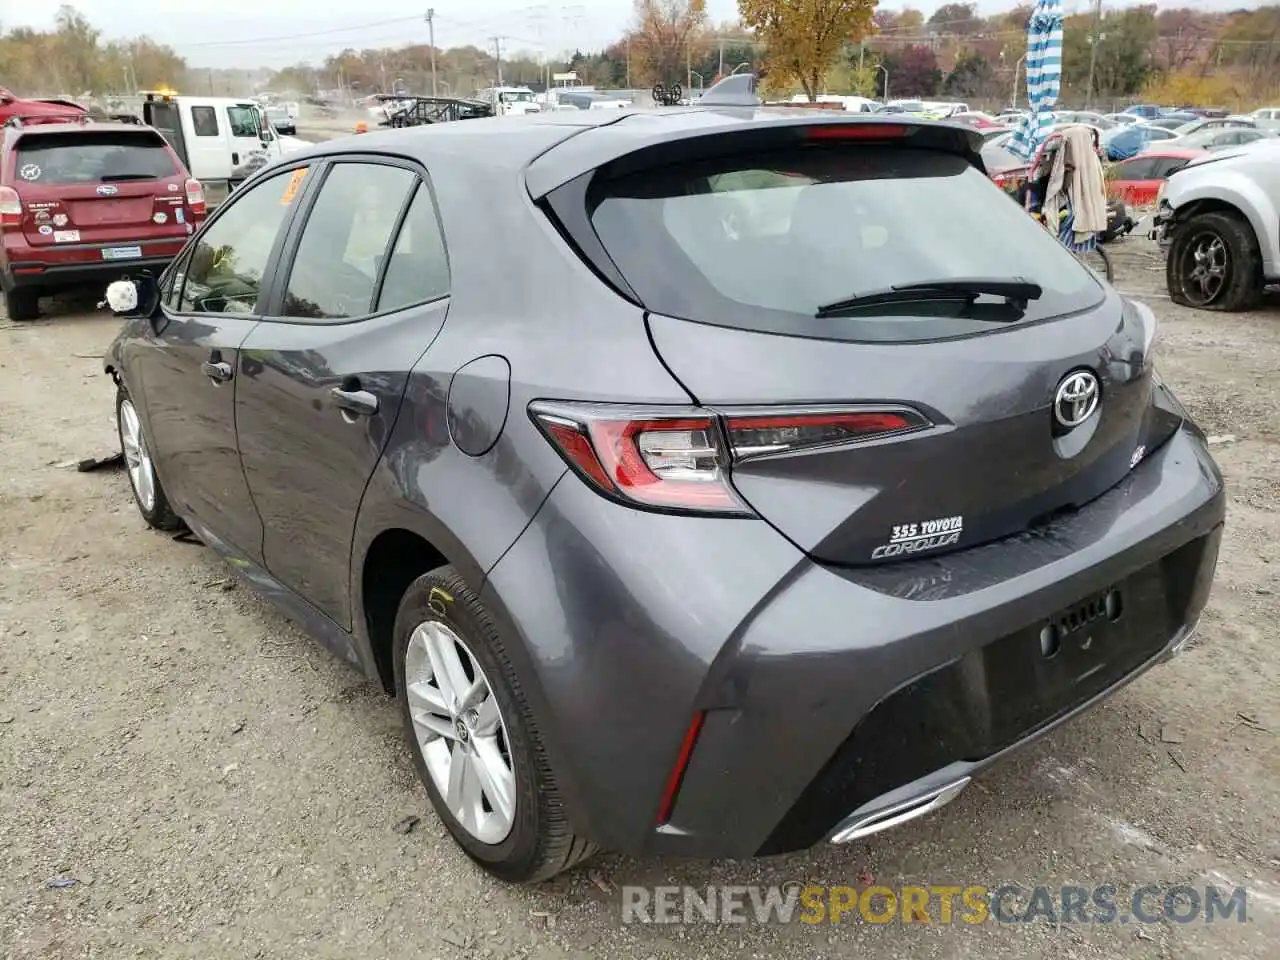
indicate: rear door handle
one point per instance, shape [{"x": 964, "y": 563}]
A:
[
  {"x": 360, "y": 402},
  {"x": 235, "y": 159},
  {"x": 217, "y": 371}
]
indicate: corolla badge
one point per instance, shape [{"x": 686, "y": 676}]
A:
[
  {"x": 108, "y": 190},
  {"x": 1076, "y": 399}
]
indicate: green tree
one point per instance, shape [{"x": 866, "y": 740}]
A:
[{"x": 1125, "y": 41}]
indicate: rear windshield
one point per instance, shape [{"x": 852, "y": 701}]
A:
[
  {"x": 762, "y": 241},
  {"x": 93, "y": 158}
]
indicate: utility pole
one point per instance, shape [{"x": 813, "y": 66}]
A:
[
  {"x": 497, "y": 52},
  {"x": 720, "y": 70},
  {"x": 431, "y": 33},
  {"x": 629, "y": 61},
  {"x": 688, "y": 63},
  {"x": 1094, "y": 37}
]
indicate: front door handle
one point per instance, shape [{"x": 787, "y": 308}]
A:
[
  {"x": 362, "y": 403},
  {"x": 216, "y": 370},
  {"x": 235, "y": 159}
]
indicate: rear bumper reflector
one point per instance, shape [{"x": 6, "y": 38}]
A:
[{"x": 672, "y": 789}]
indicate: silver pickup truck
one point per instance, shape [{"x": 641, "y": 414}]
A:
[{"x": 1218, "y": 221}]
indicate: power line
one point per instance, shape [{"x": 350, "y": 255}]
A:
[{"x": 299, "y": 36}]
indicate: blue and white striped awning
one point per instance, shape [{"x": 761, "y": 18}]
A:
[{"x": 1044, "y": 77}]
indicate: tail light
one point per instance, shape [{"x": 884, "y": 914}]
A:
[
  {"x": 10, "y": 208},
  {"x": 857, "y": 131},
  {"x": 679, "y": 459},
  {"x": 195, "y": 197}
]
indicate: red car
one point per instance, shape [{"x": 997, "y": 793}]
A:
[
  {"x": 1137, "y": 180},
  {"x": 979, "y": 121},
  {"x": 37, "y": 111},
  {"x": 88, "y": 202}
]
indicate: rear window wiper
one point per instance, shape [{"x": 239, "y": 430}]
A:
[
  {"x": 107, "y": 178},
  {"x": 1014, "y": 289}
]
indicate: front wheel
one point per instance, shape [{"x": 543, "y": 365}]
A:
[
  {"x": 472, "y": 735},
  {"x": 148, "y": 494},
  {"x": 1214, "y": 263}
]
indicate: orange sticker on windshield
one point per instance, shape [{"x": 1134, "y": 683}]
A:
[{"x": 291, "y": 188}]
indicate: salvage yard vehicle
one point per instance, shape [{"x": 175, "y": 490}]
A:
[
  {"x": 1218, "y": 220},
  {"x": 221, "y": 140},
  {"x": 402, "y": 111},
  {"x": 88, "y": 202},
  {"x": 38, "y": 110},
  {"x": 679, "y": 517}
]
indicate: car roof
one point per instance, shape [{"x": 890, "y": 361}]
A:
[{"x": 1171, "y": 153}]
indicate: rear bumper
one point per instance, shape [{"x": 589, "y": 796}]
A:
[
  {"x": 29, "y": 267},
  {"x": 830, "y": 695}
]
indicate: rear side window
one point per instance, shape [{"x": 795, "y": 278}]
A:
[
  {"x": 345, "y": 240},
  {"x": 205, "y": 121},
  {"x": 1140, "y": 169},
  {"x": 760, "y": 242},
  {"x": 418, "y": 269},
  {"x": 66, "y": 158},
  {"x": 1167, "y": 167}
]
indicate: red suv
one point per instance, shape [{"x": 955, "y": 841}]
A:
[{"x": 88, "y": 202}]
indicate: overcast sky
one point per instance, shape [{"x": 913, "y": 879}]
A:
[{"x": 241, "y": 33}]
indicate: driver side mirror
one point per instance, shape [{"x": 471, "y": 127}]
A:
[{"x": 134, "y": 298}]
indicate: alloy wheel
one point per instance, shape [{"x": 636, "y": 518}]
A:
[
  {"x": 459, "y": 729},
  {"x": 137, "y": 457},
  {"x": 1205, "y": 265}
]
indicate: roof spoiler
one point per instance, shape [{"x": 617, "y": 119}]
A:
[
  {"x": 20, "y": 120},
  {"x": 735, "y": 90}
]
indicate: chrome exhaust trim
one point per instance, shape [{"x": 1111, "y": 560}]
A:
[
  {"x": 1184, "y": 637},
  {"x": 899, "y": 813}
]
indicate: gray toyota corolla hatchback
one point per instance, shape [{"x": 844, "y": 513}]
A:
[{"x": 708, "y": 482}]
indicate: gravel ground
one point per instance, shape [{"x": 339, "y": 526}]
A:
[{"x": 220, "y": 787}]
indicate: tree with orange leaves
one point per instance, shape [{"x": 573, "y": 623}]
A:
[
  {"x": 804, "y": 37},
  {"x": 664, "y": 35}
]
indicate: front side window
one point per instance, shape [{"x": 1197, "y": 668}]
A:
[
  {"x": 762, "y": 242},
  {"x": 243, "y": 120},
  {"x": 345, "y": 239},
  {"x": 225, "y": 270}
]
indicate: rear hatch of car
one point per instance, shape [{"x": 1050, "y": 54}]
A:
[
  {"x": 108, "y": 186},
  {"x": 903, "y": 423}
]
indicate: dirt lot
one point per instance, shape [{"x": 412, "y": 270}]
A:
[{"x": 219, "y": 787}]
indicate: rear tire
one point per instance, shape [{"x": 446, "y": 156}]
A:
[
  {"x": 148, "y": 493},
  {"x": 440, "y": 616},
  {"x": 22, "y": 303},
  {"x": 1214, "y": 263}
]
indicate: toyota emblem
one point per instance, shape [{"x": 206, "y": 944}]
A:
[{"x": 1077, "y": 398}]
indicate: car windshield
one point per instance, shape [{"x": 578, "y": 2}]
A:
[
  {"x": 92, "y": 157},
  {"x": 760, "y": 242}
]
